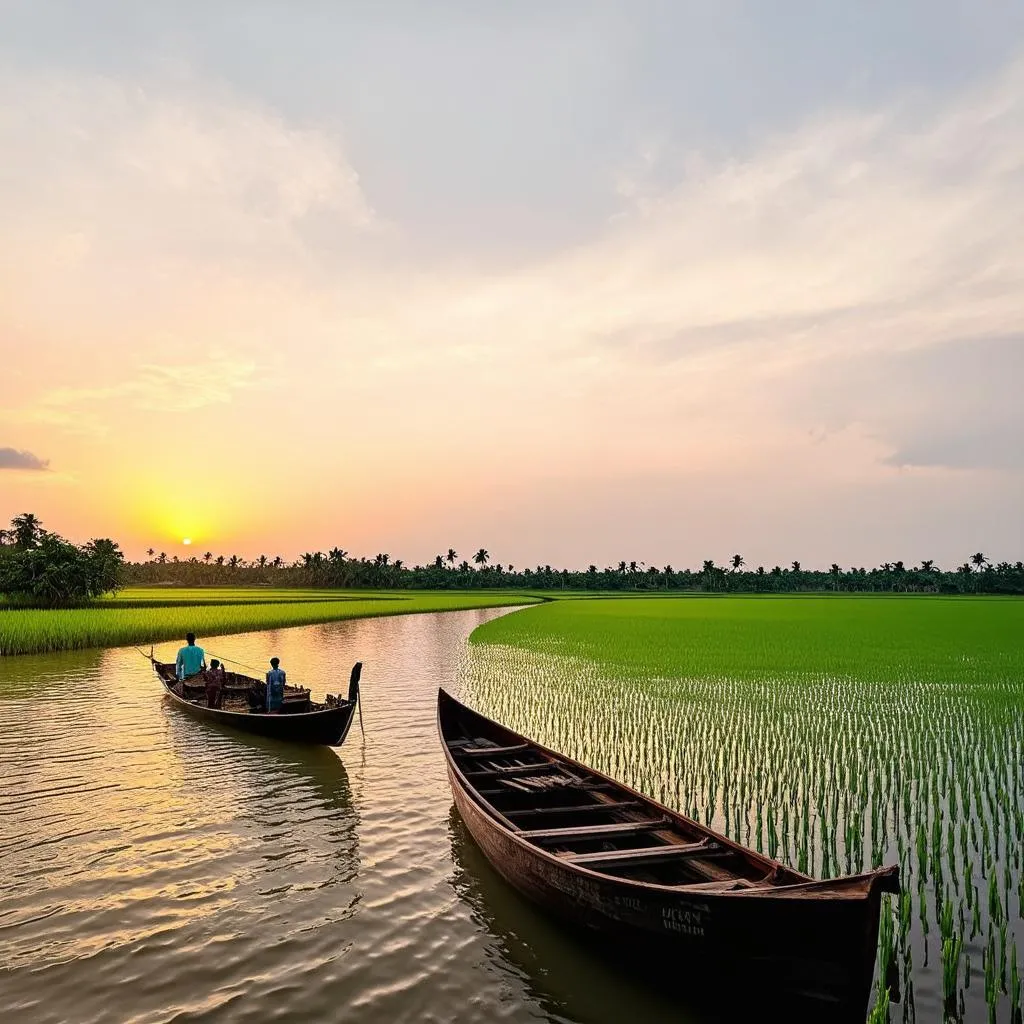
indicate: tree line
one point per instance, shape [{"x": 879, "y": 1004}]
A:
[
  {"x": 38, "y": 567},
  {"x": 452, "y": 571}
]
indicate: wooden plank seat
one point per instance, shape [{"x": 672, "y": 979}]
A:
[
  {"x": 578, "y": 833},
  {"x": 516, "y": 748},
  {"x": 645, "y": 855},
  {"x": 604, "y": 808},
  {"x": 726, "y": 885},
  {"x": 511, "y": 769}
]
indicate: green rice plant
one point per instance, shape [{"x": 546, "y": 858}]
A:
[
  {"x": 952, "y": 948},
  {"x": 26, "y": 631},
  {"x": 880, "y": 1011},
  {"x": 871, "y": 732}
]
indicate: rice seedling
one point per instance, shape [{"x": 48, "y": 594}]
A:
[{"x": 838, "y": 734}]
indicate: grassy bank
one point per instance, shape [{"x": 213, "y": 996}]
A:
[
  {"x": 155, "y": 614},
  {"x": 834, "y": 734}
]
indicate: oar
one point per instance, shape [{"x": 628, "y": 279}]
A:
[{"x": 354, "y": 692}]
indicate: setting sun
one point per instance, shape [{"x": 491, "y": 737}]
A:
[{"x": 186, "y": 540}]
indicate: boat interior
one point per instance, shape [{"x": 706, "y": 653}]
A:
[
  {"x": 240, "y": 693},
  {"x": 591, "y": 822}
]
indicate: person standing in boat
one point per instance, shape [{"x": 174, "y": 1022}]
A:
[
  {"x": 275, "y": 686},
  {"x": 191, "y": 660}
]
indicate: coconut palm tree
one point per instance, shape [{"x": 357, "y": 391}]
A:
[
  {"x": 481, "y": 557},
  {"x": 452, "y": 556},
  {"x": 233, "y": 561},
  {"x": 150, "y": 552},
  {"x": 927, "y": 564},
  {"x": 277, "y": 562},
  {"x": 337, "y": 554},
  {"x": 737, "y": 563},
  {"x": 162, "y": 557},
  {"x": 219, "y": 560},
  {"x": 262, "y": 561},
  {"x": 28, "y": 530},
  {"x": 439, "y": 562},
  {"x": 207, "y": 556},
  {"x": 979, "y": 561}
]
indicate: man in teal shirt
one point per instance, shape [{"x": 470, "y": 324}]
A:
[{"x": 191, "y": 659}]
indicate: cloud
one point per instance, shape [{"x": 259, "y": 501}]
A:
[{"x": 12, "y": 458}]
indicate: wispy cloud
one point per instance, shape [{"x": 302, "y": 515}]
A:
[{"x": 13, "y": 458}]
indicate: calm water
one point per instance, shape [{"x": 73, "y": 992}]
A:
[{"x": 156, "y": 868}]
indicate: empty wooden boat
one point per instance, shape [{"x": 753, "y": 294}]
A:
[
  {"x": 301, "y": 720},
  {"x": 607, "y": 858}
]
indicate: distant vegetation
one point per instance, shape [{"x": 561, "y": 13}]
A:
[
  {"x": 40, "y": 568},
  {"x": 450, "y": 571}
]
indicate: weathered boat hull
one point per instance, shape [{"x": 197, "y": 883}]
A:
[
  {"x": 791, "y": 939},
  {"x": 329, "y": 726}
]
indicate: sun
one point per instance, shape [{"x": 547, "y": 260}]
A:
[{"x": 186, "y": 540}]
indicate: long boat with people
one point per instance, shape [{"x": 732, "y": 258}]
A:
[
  {"x": 270, "y": 707},
  {"x": 620, "y": 865}
]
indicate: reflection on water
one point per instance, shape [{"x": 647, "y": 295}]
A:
[{"x": 158, "y": 868}]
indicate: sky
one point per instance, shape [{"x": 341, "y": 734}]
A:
[{"x": 572, "y": 281}]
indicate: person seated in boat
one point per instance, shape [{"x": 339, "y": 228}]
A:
[
  {"x": 275, "y": 686},
  {"x": 191, "y": 661},
  {"x": 215, "y": 678}
]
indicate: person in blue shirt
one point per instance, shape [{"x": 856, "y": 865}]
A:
[
  {"x": 191, "y": 659},
  {"x": 275, "y": 686}
]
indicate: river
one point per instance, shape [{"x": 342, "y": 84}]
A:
[{"x": 156, "y": 868}]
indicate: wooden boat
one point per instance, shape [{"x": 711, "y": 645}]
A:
[
  {"x": 604, "y": 857},
  {"x": 301, "y": 720}
]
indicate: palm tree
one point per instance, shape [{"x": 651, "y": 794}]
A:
[
  {"x": 737, "y": 562},
  {"x": 150, "y": 552},
  {"x": 207, "y": 557},
  {"x": 439, "y": 562},
  {"x": 927, "y": 564},
  {"x": 162, "y": 557},
  {"x": 481, "y": 557},
  {"x": 262, "y": 561},
  {"x": 337, "y": 554},
  {"x": 276, "y": 563},
  {"x": 796, "y": 567},
  {"x": 622, "y": 568},
  {"x": 978, "y": 560},
  {"x": 451, "y": 556},
  {"x": 219, "y": 559},
  {"x": 233, "y": 561},
  {"x": 27, "y": 529}
]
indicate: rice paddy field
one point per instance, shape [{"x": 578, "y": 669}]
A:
[
  {"x": 835, "y": 734},
  {"x": 149, "y": 615}
]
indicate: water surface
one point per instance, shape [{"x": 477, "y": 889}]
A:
[{"x": 157, "y": 868}]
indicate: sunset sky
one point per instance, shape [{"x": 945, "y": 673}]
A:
[{"x": 573, "y": 281}]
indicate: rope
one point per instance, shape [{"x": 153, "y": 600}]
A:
[{"x": 240, "y": 664}]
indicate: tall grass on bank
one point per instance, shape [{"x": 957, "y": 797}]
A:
[
  {"x": 835, "y": 735},
  {"x": 28, "y": 631}
]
